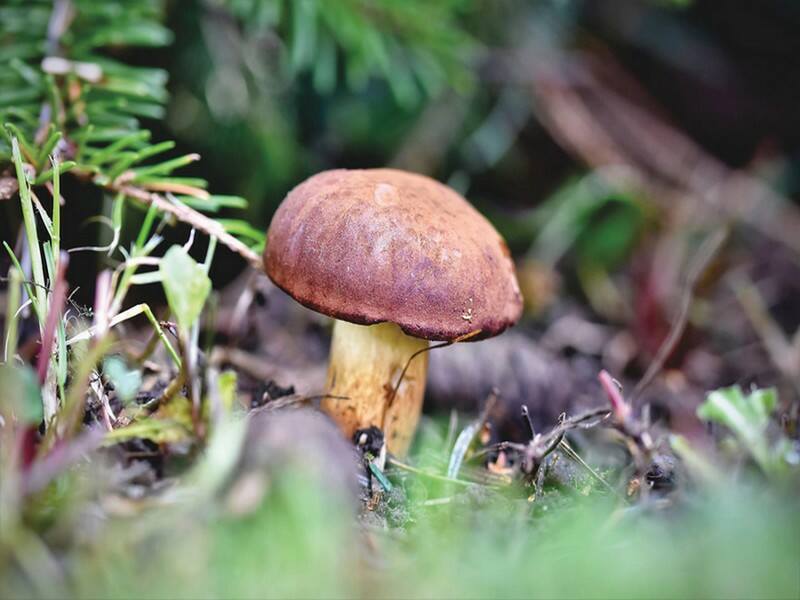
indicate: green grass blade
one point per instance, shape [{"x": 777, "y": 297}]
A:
[
  {"x": 12, "y": 306},
  {"x": 32, "y": 236}
]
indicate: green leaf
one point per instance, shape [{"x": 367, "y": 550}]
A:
[
  {"x": 186, "y": 285},
  {"x": 169, "y": 425},
  {"x": 47, "y": 175},
  {"x": 155, "y": 149},
  {"x": 124, "y": 160},
  {"x": 126, "y": 381},
  {"x": 166, "y": 167},
  {"x": 382, "y": 479},
  {"x": 141, "y": 33},
  {"x": 21, "y": 395},
  {"x": 731, "y": 407},
  {"x": 135, "y": 139},
  {"x": 190, "y": 181},
  {"x": 747, "y": 416},
  {"x": 610, "y": 234},
  {"x": 213, "y": 203},
  {"x": 243, "y": 229},
  {"x": 304, "y": 33}
]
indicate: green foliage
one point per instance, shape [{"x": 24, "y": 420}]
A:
[
  {"x": 126, "y": 381},
  {"x": 186, "y": 285},
  {"x": 226, "y": 384},
  {"x": 37, "y": 294},
  {"x": 748, "y": 418},
  {"x": 610, "y": 234},
  {"x": 68, "y": 93},
  {"x": 297, "y": 538},
  {"x": 58, "y": 53},
  {"x": 416, "y": 46},
  {"x": 586, "y": 215},
  {"x": 21, "y": 397},
  {"x": 170, "y": 424}
]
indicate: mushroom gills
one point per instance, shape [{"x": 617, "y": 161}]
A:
[{"x": 366, "y": 362}]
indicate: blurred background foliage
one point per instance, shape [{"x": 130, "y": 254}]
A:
[
  {"x": 298, "y": 86},
  {"x": 270, "y": 92}
]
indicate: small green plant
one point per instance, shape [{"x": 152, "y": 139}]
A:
[
  {"x": 748, "y": 416},
  {"x": 67, "y": 106},
  {"x": 186, "y": 285}
]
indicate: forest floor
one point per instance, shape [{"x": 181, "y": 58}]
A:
[{"x": 581, "y": 493}]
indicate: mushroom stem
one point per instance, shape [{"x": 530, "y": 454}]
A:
[{"x": 365, "y": 364}]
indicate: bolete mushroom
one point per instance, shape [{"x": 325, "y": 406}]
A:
[{"x": 398, "y": 260}]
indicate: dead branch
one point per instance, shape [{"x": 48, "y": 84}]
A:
[{"x": 195, "y": 219}]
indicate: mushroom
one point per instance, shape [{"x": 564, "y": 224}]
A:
[{"x": 398, "y": 260}]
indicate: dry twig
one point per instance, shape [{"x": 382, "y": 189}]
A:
[{"x": 197, "y": 220}]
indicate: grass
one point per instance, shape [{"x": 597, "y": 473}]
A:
[{"x": 302, "y": 539}]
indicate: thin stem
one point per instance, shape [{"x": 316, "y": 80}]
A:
[
  {"x": 526, "y": 415},
  {"x": 32, "y": 236},
  {"x": 212, "y": 246},
  {"x": 192, "y": 217},
  {"x": 55, "y": 236},
  {"x": 396, "y": 387},
  {"x": 28, "y": 286},
  {"x": 147, "y": 224},
  {"x": 130, "y": 266},
  {"x": 12, "y": 305},
  {"x": 58, "y": 297},
  {"x": 406, "y": 467},
  {"x": 570, "y": 452},
  {"x": 138, "y": 257},
  {"x": 128, "y": 314}
]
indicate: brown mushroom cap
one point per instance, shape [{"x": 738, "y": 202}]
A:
[{"x": 369, "y": 246}]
